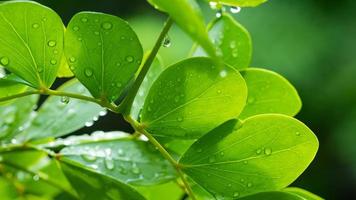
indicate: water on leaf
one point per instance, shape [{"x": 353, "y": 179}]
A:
[
  {"x": 76, "y": 28},
  {"x": 106, "y": 25},
  {"x": 235, "y": 9},
  {"x": 65, "y": 99},
  {"x": 35, "y": 26},
  {"x": 129, "y": 59},
  {"x": 88, "y": 72},
  {"x": 167, "y": 41},
  {"x": 4, "y": 61},
  {"x": 268, "y": 151}
]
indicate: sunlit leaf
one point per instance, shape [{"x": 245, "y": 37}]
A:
[
  {"x": 169, "y": 191},
  {"x": 306, "y": 195},
  {"x": 31, "y": 41},
  {"x": 192, "y": 97},
  {"x": 103, "y": 52},
  {"x": 264, "y": 152}
]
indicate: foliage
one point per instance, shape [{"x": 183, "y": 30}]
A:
[{"x": 216, "y": 129}]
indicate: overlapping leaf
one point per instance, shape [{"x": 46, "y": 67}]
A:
[
  {"x": 240, "y": 3},
  {"x": 264, "y": 152},
  {"x": 103, "y": 52},
  {"x": 31, "y": 41},
  {"x": 188, "y": 98}
]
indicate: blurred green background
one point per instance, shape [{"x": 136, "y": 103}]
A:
[{"x": 311, "y": 42}]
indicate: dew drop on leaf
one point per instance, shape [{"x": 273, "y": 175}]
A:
[
  {"x": 103, "y": 113},
  {"x": 167, "y": 41},
  {"x": 129, "y": 59},
  {"x": 236, "y": 194},
  {"x": 36, "y": 177},
  {"x": 53, "y": 62},
  {"x": 51, "y": 43},
  {"x": 65, "y": 99},
  {"x": 89, "y": 123},
  {"x": 35, "y": 26},
  {"x": 235, "y": 9},
  {"x": 76, "y": 28},
  {"x": 249, "y": 185},
  {"x": 268, "y": 151},
  {"x": 88, "y": 72},
  {"x": 106, "y": 25},
  {"x": 213, "y": 4},
  {"x": 223, "y": 73},
  {"x": 109, "y": 163},
  {"x": 96, "y": 32},
  {"x": 84, "y": 19},
  {"x": 251, "y": 100},
  {"x": 297, "y": 133},
  {"x": 89, "y": 157},
  {"x": 136, "y": 170},
  {"x": 4, "y": 61},
  {"x": 218, "y": 14}
]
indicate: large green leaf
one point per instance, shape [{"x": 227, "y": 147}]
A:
[
  {"x": 103, "y": 52},
  {"x": 91, "y": 185},
  {"x": 31, "y": 41},
  {"x": 264, "y": 152},
  {"x": 192, "y": 97},
  {"x": 239, "y": 3},
  {"x": 170, "y": 190},
  {"x": 16, "y": 117},
  {"x": 306, "y": 195},
  {"x": 187, "y": 14},
  {"x": 232, "y": 41},
  {"x": 269, "y": 92},
  {"x": 152, "y": 74},
  {"x": 59, "y": 116},
  {"x": 127, "y": 160}
]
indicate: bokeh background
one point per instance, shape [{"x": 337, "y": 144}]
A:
[{"x": 310, "y": 42}]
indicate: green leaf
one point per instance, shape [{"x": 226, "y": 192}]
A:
[
  {"x": 306, "y": 195},
  {"x": 16, "y": 117},
  {"x": 269, "y": 92},
  {"x": 152, "y": 74},
  {"x": 274, "y": 195},
  {"x": 127, "y": 160},
  {"x": 232, "y": 41},
  {"x": 167, "y": 191},
  {"x": 187, "y": 14},
  {"x": 31, "y": 41},
  {"x": 59, "y": 116},
  {"x": 91, "y": 185},
  {"x": 64, "y": 70},
  {"x": 9, "y": 88},
  {"x": 7, "y": 190},
  {"x": 103, "y": 52},
  {"x": 240, "y": 3},
  {"x": 192, "y": 97},
  {"x": 264, "y": 152}
]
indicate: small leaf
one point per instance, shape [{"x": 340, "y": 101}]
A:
[
  {"x": 187, "y": 14},
  {"x": 103, "y": 52},
  {"x": 127, "y": 160},
  {"x": 152, "y": 74},
  {"x": 232, "y": 41},
  {"x": 16, "y": 117},
  {"x": 269, "y": 92},
  {"x": 192, "y": 97},
  {"x": 91, "y": 185},
  {"x": 169, "y": 190},
  {"x": 306, "y": 195},
  {"x": 9, "y": 88},
  {"x": 31, "y": 41},
  {"x": 264, "y": 152},
  {"x": 59, "y": 116},
  {"x": 240, "y": 3}
]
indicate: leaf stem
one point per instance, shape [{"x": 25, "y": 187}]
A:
[
  {"x": 139, "y": 128},
  {"x": 125, "y": 106},
  {"x": 28, "y": 93}
]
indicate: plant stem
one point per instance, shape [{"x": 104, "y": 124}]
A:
[
  {"x": 19, "y": 95},
  {"x": 125, "y": 106},
  {"x": 140, "y": 129},
  {"x": 71, "y": 95}
]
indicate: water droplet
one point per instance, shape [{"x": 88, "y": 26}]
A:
[
  {"x": 249, "y": 184},
  {"x": 120, "y": 152},
  {"x": 258, "y": 151},
  {"x": 235, "y": 9},
  {"x": 223, "y": 73},
  {"x": 268, "y": 151},
  {"x": 118, "y": 64},
  {"x": 96, "y": 32},
  {"x": 222, "y": 154},
  {"x": 35, "y": 26},
  {"x": 4, "y": 61},
  {"x": 109, "y": 163},
  {"x": 53, "y": 62},
  {"x": 55, "y": 51},
  {"x": 88, "y": 72},
  {"x": 236, "y": 194},
  {"x": 136, "y": 170},
  {"x": 180, "y": 119},
  {"x": 297, "y": 133},
  {"x": 89, "y": 123},
  {"x": 51, "y": 43},
  {"x": 36, "y": 177},
  {"x": 218, "y": 14},
  {"x": 250, "y": 100},
  {"x": 245, "y": 162},
  {"x": 211, "y": 159},
  {"x": 106, "y": 25},
  {"x": 80, "y": 39},
  {"x": 103, "y": 113},
  {"x": 219, "y": 91},
  {"x": 233, "y": 44},
  {"x": 84, "y": 19},
  {"x": 213, "y": 4},
  {"x": 65, "y": 99},
  {"x": 72, "y": 59},
  {"x": 167, "y": 41},
  {"x": 75, "y": 28},
  {"x": 129, "y": 59},
  {"x": 89, "y": 157},
  {"x": 199, "y": 150}
]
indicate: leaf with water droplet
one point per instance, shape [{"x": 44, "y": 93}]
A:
[
  {"x": 201, "y": 108},
  {"x": 61, "y": 116},
  {"x": 277, "y": 96},
  {"x": 130, "y": 161},
  {"x": 240, "y": 3},
  {"x": 232, "y": 40},
  {"x": 91, "y": 185},
  {"x": 31, "y": 59},
  {"x": 187, "y": 14},
  {"x": 92, "y": 58},
  {"x": 284, "y": 157}
]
